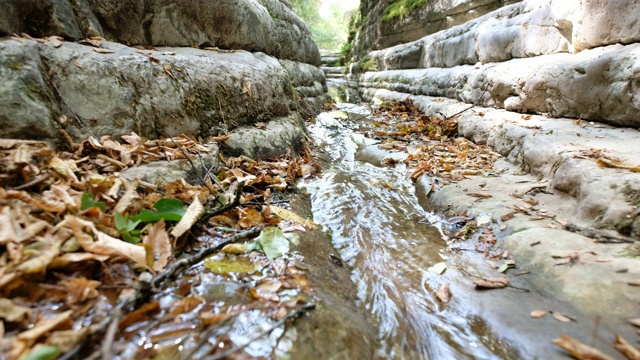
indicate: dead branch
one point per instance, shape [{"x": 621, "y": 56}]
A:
[
  {"x": 604, "y": 236},
  {"x": 146, "y": 289}
]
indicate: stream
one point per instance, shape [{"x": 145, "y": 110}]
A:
[{"x": 389, "y": 242}]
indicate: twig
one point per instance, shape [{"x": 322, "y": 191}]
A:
[
  {"x": 601, "y": 236},
  {"x": 33, "y": 182},
  {"x": 469, "y": 108},
  {"x": 112, "y": 330},
  {"x": 145, "y": 291},
  {"x": 222, "y": 209},
  {"x": 195, "y": 169},
  {"x": 291, "y": 315}
]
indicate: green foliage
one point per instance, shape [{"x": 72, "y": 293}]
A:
[
  {"x": 273, "y": 242},
  {"x": 45, "y": 352},
  {"x": 87, "y": 202},
  {"x": 327, "y": 20},
  {"x": 399, "y": 8},
  {"x": 127, "y": 228},
  {"x": 168, "y": 209}
]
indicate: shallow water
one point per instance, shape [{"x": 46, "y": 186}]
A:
[{"x": 389, "y": 242}]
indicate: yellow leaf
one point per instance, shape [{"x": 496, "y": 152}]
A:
[
  {"x": 285, "y": 214},
  {"x": 194, "y": 211}
]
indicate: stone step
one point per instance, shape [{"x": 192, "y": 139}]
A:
[
  {"x": 601, "y": 84},
  {"x": 526, "y": 29}
]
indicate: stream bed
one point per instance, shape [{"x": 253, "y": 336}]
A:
[{"x": 388, "y": 242}]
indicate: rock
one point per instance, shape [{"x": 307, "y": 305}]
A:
[
  {"x": 309, "y": 82},
  {"x": 267, "y": 26},
  {"x": 275, "y": 139},
  {"x": 599, "y": 84},
  {"x": 153, "y": 93}
]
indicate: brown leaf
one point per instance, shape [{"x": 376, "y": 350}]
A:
[
  {"x": 246, "y": 88},
  {"x": 158, "y": 240},
  {"x": 194, "y": 211},
  {"x": 268, "y": 290},
  {"x": 142, "y": 313},
  {"x": 103, "y": 244},
  {"x": 635, "y": 322},
  {"x": 187, "y": 304},
  {"x": 12, "y": 312},
  {"x": 209, "y": 318},
  {"x": 626, "y": 349},
  {"x": 43, "y": 327},
  {"x": 508, "y": 216},
  {"x": 480, "y": 195},
  {"x": 103, "y": 51},
  {"x": 443, "y": 293},
  {"x": 491, "y": 283},
  {"x": 538, "y": 313},
  {"x": 579, "y": 350},
  {"x": 634, "y": 283},
  {"x": 80, "y": 289}
]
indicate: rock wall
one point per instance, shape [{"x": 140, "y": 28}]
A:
[
  {"x": 572, "y": 58},
  {"x": 257, "y": 64},
  {"x": 374, "y": 33}
]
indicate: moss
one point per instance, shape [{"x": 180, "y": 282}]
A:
[
  {"x": 367, "y": 64},
  {"x": 17, "y": 66},
  {"x": 400, "y": 8},
  {"x": 631, "y": 195}
]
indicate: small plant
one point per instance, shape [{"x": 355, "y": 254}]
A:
[{"x": 399, "y": 8}]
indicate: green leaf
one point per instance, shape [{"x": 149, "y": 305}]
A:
[
  {"x": 43, "y": 352},
  {"x": 168, "y": 209},
  {"x": 503, "y": 268},
  {"x": 120, "y": 221},
  {"x": 87, "y": 202},
  {"x": 273, "y": 242}
]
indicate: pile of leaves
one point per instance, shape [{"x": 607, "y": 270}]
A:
[
  {"x": 81, "y": 246},
  {"x": 431, "y": 143}
]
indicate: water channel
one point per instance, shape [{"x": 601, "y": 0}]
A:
[{"x": 389, "y": 243}]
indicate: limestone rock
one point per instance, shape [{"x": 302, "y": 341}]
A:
[
  {"x": 154, "y": 93},
  {"x": 600, "y": 84},
  {"x": 267, "y": 26}
]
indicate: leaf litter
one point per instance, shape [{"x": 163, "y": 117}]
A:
[{"x": 78, "y": 242}]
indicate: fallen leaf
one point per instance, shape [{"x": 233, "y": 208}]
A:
[
  {"x": 635, "y": 322},
  {"x": 80, "y": 289},
  {"x": 285, "y": 214},
  {"x": 103, "y": 244},
  {"x": 236, "y": 249},
  {"x": 246, "y": 88},
  {"x": 634, "y": 283},
  {"x": 491, "y": 283},
  {"x": 503, "y": 268},
  {"x": 443, "y": 293},
  {"x": 273, "y": 242},
  {"x": 579, "y": 350},
  {"x": 616, "y": 164},
  {"x": 158, "y": 240},
  {"x": 43, "y": 352},
  {"x": 187, "y": 304},
  {"x": 12, "y": 312},
  {"x": 626, "y": 349},
  {"x": 103, "y": 51},
  {"x": 230, "y": 265},
  {"x": 561, "y": 317},
  {"x": 209, "y": 318},
  {"x": 538, "y": 313},
  {"x": 268, "y": 290},
  {"x": 142, "y": 313},
  {"x": 43, "y": 327},
  {"x": 194, "y": 211}
]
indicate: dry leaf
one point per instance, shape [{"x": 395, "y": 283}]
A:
[
  {"x": 538, "y": 313},
  {"x": 579, "y": 350},
  {"x": 80, "y": 289},
  {"x": 158, "y": 240},
  {"x": 140, "y": 314},
  {"x": 635, "y": 322},
  {"x": 43, "y": 327},
  {"x": 12, "y": 312},
  {"x": 616, "y": 164},
  {"x": 443, "y": 293},
  {"x": 246, "y": 88},
  {"x": 561, "y": 317},
  {"x": 626, "y": 349},
  {"x": 285, "y": 214},
  {"x": 194, "y": 211},
  {"x": 103, "y": 51},
  {"x": 634, "y": 283},
  {"x": 187, "y": 304},
  {"x": 267, "y": 290},
  {"x": 104, "y": 244},
  {"x": 491, "y": 283}
]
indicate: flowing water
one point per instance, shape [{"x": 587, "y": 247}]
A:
[{"x": 388, "y": 241}]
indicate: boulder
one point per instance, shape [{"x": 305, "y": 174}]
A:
[{"x": 267, "y": 26}]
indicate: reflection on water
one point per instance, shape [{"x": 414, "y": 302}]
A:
[{"x": 388, "y": 241}]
